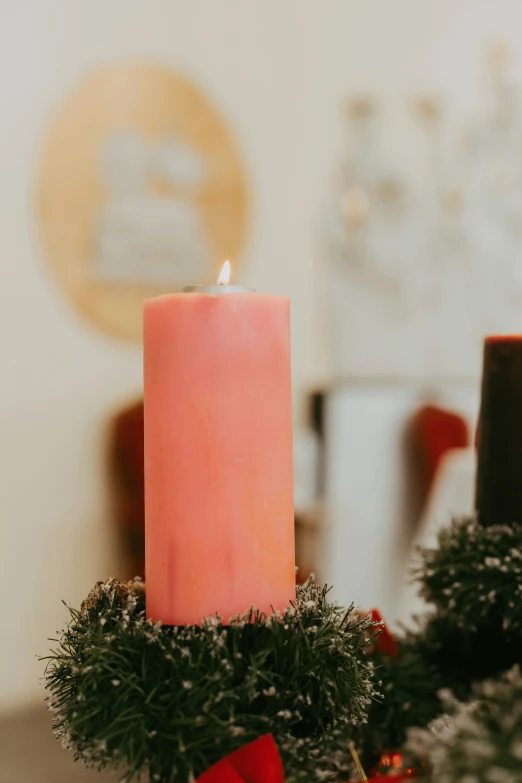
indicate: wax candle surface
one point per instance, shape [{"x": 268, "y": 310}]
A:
[
  {"x": 218, "y": 455},
  {"x": 499, "y": 440}
]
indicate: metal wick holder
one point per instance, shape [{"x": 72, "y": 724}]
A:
[{"x": 217, "y": 290}]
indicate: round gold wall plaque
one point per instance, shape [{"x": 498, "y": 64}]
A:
[{"x": 141, "y": 191}]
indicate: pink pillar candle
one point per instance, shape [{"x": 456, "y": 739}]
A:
[{"x": 218, "y": 455}]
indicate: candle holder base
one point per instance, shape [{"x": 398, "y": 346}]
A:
[{"x": 170, "y": 701}]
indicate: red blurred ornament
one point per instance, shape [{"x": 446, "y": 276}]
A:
[
  {"x": 434, "y": 432},
  {"x": 395, "y": 766},
  {"x": 384, "y": 643}
]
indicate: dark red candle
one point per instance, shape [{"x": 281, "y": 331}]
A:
[{"x": 499, "y": 440}]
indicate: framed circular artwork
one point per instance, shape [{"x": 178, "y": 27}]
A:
[{"x": 141, "y": 191}]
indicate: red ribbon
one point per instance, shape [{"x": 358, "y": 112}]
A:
[
  {"x": 260, "y": 762},
  {"x": 257, "y": 762}
]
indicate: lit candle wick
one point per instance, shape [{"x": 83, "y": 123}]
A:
[{"x": 224, "y": 275}]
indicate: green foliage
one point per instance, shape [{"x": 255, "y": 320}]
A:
[
  {"x": 474, "y": 630},
  {"x": 474, "y": 576},
  {"x": 474, "y": 579},
  {"x": 409, "y": 684},
  {"x": 479, "y": 741},
  {"x": 170, "y": 701}
]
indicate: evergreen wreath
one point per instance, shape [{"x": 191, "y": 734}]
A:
[
  {"x": 473, "y": 579},
  {"x": 170, "y": 701},
  {"x": 474, "y": 576},
  {"x": 479, "y": 741},
  {"x": 410, "y": 686}
]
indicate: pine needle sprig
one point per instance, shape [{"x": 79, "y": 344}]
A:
[
  {"x": 479, "y": 740},
  {"x": 169, "y": 701},
  {"x": 475, "y": 575}
]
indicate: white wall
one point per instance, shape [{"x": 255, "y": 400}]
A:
[{"x": 278, "y": 69}]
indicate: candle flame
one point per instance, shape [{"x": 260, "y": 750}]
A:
[{"x": 224, "y": 275}]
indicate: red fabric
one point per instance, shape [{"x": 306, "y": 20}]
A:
[
  {"x": 127, "y": 461},
  {"x": 257, "y": 762},
  {"x": 384, "y": 643},
  {"x": 436, "y": 431},
  {"x": 128, "y": 456}
]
